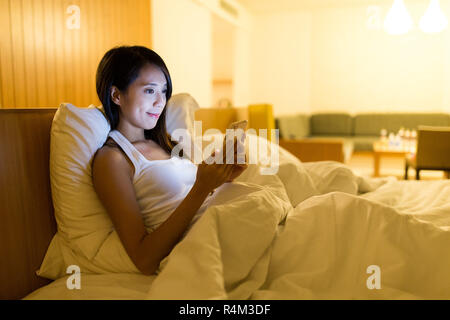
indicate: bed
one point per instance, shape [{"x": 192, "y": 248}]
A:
[{"x": 311, "y": 231}]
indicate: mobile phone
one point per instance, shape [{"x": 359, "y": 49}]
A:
[
  {"x": 239, "y": 125},
  {"x": 241, "y": 136}
]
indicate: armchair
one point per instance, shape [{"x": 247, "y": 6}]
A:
[{"x": 433, "y": 151}]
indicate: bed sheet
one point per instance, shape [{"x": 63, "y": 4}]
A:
[
  {"x": 311, "y": 231},
  {"x": 113, "y": 286},
  {"x": 354, "y": 238}
]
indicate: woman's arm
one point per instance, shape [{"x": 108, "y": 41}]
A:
[{"x": 113, "y": 181}]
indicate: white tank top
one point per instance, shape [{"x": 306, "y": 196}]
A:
[{"x": 160, "y": 185}]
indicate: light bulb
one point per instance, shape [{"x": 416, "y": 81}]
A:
[
  {"x": 398, "y": 21},
  {"x": 434, "y": 20}
]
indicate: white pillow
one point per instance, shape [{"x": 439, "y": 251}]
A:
[
  {"x": 85, "y": 235},
  {"x": 180, "y": 113}
]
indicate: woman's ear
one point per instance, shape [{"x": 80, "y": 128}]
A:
[{"x": 115, "y": 95}]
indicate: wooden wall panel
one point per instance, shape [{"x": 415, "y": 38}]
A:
[
  {"x": 29, "y": 52},
  {"x": 43, "y": 63},
  {"x": 41, "y": 77},
  {"x": 60, "y": 59},
  {"x": 49, "y": 53},
  {"x": 17, "y": 53},
  {"x": 6, "y": 70}
]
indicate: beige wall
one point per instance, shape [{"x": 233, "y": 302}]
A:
[
  {"x": 356, "y": 69},
  {"x": 182, "y": 36},
  {"x": 223, "y": 42},
  {"x": 223, "y": 59},
  {"x": 325, "y": 59},
  {"x": 446, "y": 83},
  {"x": 280, "y": 61},
  {"x": 242, "y": 53}
]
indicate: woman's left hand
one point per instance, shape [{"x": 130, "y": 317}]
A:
[
  {"x": 238, "y": 168},
  {"x": 237, "y": 171}
]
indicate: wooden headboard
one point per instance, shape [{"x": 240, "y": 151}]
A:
[
  {"x": 26, "y": 211},
  {"x": 27, "y": 222}
]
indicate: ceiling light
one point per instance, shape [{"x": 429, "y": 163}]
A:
[
  {"x": 398, "y": 21},
  {"x": 434, "y": 20}
]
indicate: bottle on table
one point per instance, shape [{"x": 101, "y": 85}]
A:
[
  {"x": 383, "y": 138},
  {"x": 391, "y": 138}
]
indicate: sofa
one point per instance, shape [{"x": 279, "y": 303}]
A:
[{"x": 357, "y": 132}]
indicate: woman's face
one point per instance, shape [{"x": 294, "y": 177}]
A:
[{"x": 143, "y": 102}]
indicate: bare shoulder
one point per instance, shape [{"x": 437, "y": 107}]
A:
[
  {"x": 112, "y": 181},
  {"x": 110, "y": 158}
]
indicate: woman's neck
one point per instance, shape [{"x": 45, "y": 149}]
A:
[{"x": 133, "y": 134}]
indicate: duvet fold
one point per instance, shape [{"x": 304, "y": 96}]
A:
[
  {"x": 269, "y": 238},
  {"x": 227, "y": 252}
]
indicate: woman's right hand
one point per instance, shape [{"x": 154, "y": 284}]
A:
[{"x": 212, "y": 176}]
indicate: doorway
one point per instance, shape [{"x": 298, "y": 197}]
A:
[{"x": 223, "y": 55}]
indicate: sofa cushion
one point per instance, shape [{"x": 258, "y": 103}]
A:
[
  {"x": 364, "y": 143},
  {"x": 331, "y": 124},
  {"x": 370, "y": 124},
  {"x": 293, "y": 126}
]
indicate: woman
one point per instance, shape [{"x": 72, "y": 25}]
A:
[{"x": 140, "y": 184}]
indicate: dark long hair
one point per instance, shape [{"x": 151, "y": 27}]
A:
[{"x": 120, "y": 67}]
